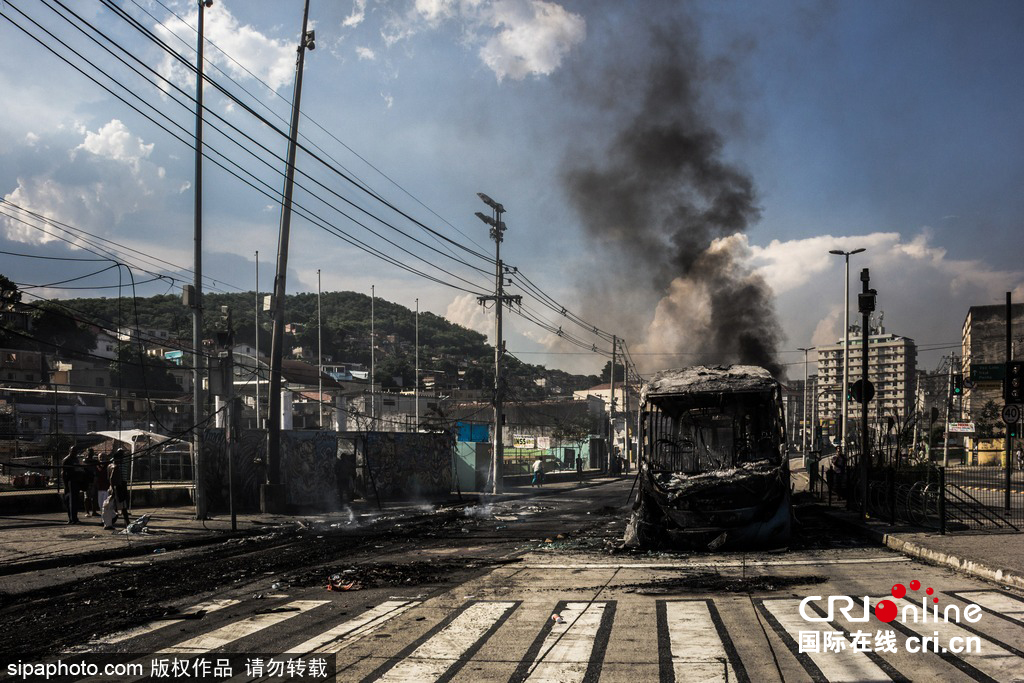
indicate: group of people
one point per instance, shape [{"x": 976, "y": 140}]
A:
[{"x": 103, "y": 482}]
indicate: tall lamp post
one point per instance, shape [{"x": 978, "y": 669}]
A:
[
  {"x": 306, "y": 42},
  {"x": 803, "y": 426},
  {"x": 846, "y": 337}
]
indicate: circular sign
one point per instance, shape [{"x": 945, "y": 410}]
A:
[{"x": 1011, "y": 413}]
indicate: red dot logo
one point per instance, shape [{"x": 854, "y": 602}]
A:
[
  {"x": 915, "y": 584},
  {"x": 885, "y": 610},
  {"x": 935, "y": 599},
  {"x": 929, "y": 591},
  {"x": 899, "y": 590}
]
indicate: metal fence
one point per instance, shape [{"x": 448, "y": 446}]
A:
[{"x": 947, "y": 499}]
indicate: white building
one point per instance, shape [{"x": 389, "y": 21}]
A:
[{"x": 892, "y": 366}]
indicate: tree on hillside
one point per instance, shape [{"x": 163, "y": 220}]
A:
[
  {"x": 56, "y": 331},
  {"x": 131, "y": 370}
]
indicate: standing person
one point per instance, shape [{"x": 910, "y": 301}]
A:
[
  {"x": 579, "y": 467},
  {"x": 118, "y": 489},
  {"x": 102, "y": 481},
  {"x": 538, "y": 472},
  {"x": 72, "y": 478},
  {"x": 89, "y": 482}
]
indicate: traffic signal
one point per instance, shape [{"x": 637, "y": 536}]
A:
[
  {"x": 1013, "y": 383},
  {"x": 849, "y": 391},
  {"x": 958, "y": 385}
]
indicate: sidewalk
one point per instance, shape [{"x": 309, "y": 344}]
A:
[
  {"x": 35, "y": 541},
  {"x": 992, "y": 556}
]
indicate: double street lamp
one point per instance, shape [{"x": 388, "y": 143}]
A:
[{"x": 846, "y": 336}]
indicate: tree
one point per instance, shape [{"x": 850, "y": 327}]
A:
[
  {"x": 606, "y": 372},
  {"x": 132, "y": 370},
  {"x": 575, "y": 431},
  {"x": 55, "y": 331}
]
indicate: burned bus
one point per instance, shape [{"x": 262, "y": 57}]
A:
[{"x": 714, "y": 470}]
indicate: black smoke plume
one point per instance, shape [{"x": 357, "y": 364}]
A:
[{"x": 661, "y": 194}]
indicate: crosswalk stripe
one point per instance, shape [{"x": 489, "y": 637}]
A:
[
  {"x": 348, "y": 632},
  {"x": 445, "y": 648},
  {"x": 845, "y": 665},
  {"x": 246, "y": 627},
  {"x": 691, "y": 650},
  {"x": 996, "y": 661},
  {"x": 1000, "y": 604},
  {"x": 121, "y": 636},
  {"x": 565, "y": 652}
]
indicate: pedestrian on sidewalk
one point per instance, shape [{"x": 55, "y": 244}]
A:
[
  {"x": 102, "y": 481},
  {"x": 579, "y": 467},
  {"x": 71, "y": 475},
  {"x": 118, "y": 490},
  {"x": 89, "y": 480},
  {"x": 538, "y": 472}
]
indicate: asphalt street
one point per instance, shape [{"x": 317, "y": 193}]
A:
[{"x": 535, "y": 590}]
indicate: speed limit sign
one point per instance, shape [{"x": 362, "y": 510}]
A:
[{"x": 1011, "y": 413}]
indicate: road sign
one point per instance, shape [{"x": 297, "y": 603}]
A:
[
  {"x": 860, "y": 395},
  {"x": 961, "y": 428},
  {"x": 988, "y": 372},
  {"x": 1011, "y": 413}
]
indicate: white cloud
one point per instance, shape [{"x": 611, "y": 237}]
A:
[
  {"x": 533, "y": 39},
  {"x": 357, "y": 16},
  {"x": 31, "y": 139},
  {"x": 366, "y": 53},
  {"x": 389, "y": 100},
  {"x": 270, "y": 59},
  {"x": 115, "y": 141},
  {"x": 466, "y": 311},
  {"x": 93, "y": 186}
]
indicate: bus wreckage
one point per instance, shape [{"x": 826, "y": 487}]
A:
[{"x": 714, "y": 470}]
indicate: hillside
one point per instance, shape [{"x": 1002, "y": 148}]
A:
[{"x": 444, "y": 346}]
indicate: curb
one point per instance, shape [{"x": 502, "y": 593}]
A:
[{"x": 917, "y": 551}]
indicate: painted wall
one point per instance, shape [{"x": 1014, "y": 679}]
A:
[{"x": 406, "y": 466}]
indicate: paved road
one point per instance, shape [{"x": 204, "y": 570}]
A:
[{"x": 652, "y": 617}]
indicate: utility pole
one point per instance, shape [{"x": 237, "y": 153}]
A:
[
  {"x": 499, "y": 299},
  {"x": 803, "y": 426},
  {"x": 197, "y": 293},
  {"x": 611, "y": 408},
  {"x": 319, "y": 354},
  {"x": 257, "y": 318},
  {"x": 271, "y": 502},
  {"x": 416, "y": 382},
  {"x": 373, "y": 349}
]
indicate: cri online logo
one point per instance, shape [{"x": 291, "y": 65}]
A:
[{"x": 887, "y": 611}]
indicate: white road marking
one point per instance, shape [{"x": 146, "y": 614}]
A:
[
  {"x": 995, "y": 602},
  {"x": 565, "y": 654},
  {"x": 210, "y": 606},
  {"x": 748, "y": 563},
  {"x": 346, "y": 633},
  {"x": 698, "y": 654},
  {"x": 845, "y": 665},
  {"x": 435, "y": 656},
  {"x": 240, "y": 629},
  {"x": 993, "y": 660}
]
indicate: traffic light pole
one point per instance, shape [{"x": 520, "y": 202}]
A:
[
  {"x": 1008, "y": 470},
  {"x": 949, "y": 402}
]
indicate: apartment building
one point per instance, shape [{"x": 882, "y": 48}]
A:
[{"x": 892, "y": 368}]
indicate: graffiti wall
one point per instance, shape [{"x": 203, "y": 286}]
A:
[
  {"x": 248, "y": 474},
  {"x": 309, "y": 469},
  {"x": 405, "y": 466}
]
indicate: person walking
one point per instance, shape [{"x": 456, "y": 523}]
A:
[
  {"x": 538, "y": 472},
  {"x": 579, "y": 467},
  {"x": 72, "y": 478},
  {"x": 118, "y": 489},
  {"x": 89, "y": 483},
  {"x": 102, "y": 481}
]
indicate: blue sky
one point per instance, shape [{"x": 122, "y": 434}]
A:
[{"x": 891, "y": 126}]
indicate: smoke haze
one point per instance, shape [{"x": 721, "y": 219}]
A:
[{"x": 663, "y": 199}]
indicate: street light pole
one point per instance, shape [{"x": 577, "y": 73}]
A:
[
  {"x": 416, "y": 382},
  {"x": 803, "y": 426},
  {"x": 306, "y": 42},
  {"x": 846, "y": 337},
  {"x": 197, "y": 296},
  {"x": 499, "y": 299}
]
